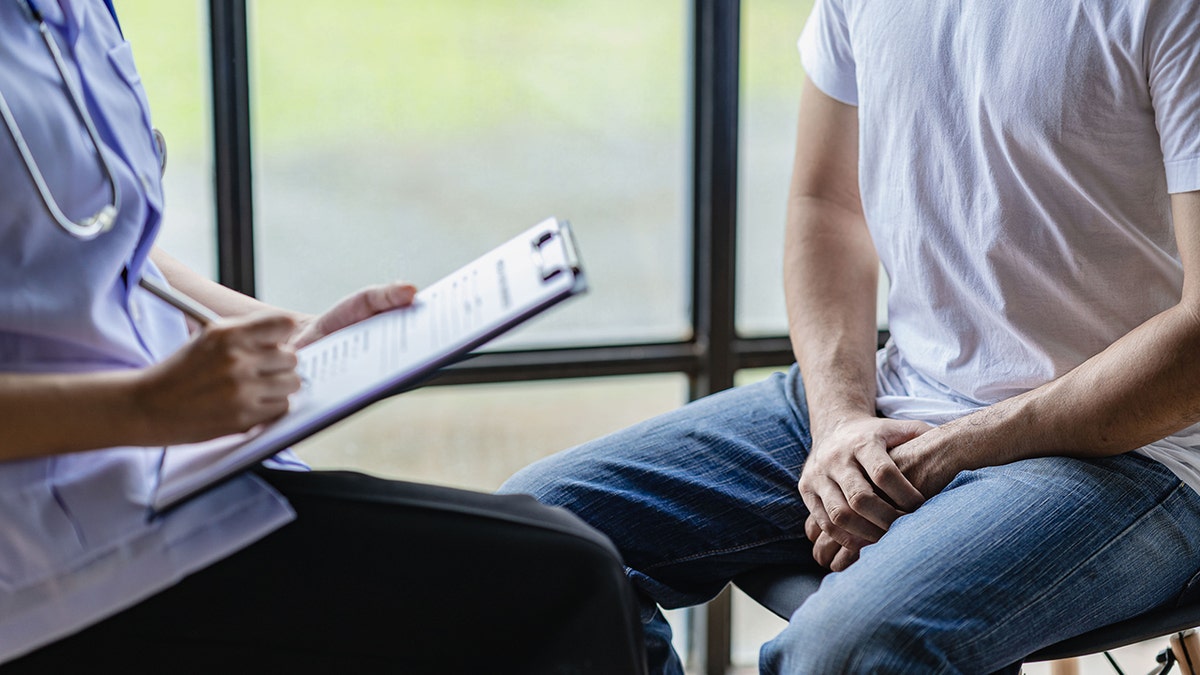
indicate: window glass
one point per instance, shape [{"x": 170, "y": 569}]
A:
[
  {"x": 753, "y": 625},
  {"x": 405, "y": 137},
  {"x": 170, "y": 44},
  {"x": 771, "y": 79},
  {"x": 476, "y": 436}
]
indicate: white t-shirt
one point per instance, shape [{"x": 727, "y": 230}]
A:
[{"x": 1016, "y": 161}]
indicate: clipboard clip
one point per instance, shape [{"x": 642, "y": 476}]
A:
[{"x": 554, "y": 260}]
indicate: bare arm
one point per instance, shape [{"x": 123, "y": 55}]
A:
[
  {"x": 831, "y": 278},
  {"x": 227, "y": 378},
  {"x": 353, "y": 308},
  {"x": 221, "y": 299},
  {"x": 831, "y": 270},
  {"x": 1140, "y": 389}
]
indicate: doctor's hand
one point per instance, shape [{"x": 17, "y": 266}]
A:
[
  {"x": 853, "y": 489},
  {"x": 231, "y": 376},
  {"x": 353, "y": 308}
]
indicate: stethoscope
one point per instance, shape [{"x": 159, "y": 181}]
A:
[{"x": 102, "y": 221}]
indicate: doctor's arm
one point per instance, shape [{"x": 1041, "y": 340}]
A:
[
  {"x": 831, "y": 274},
  {"x": 229, "y": 377},
  {"x": 226, "y": 379},
  {"x": 1142, "y": 388},
  {"x": 227, "y": 302}
]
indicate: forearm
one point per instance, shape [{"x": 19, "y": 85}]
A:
[
  {"x": 850, "y": 485},
  {"x": 221, "y": 299},
  {"x": 47, "y": 414},
  {"x": 831, "y": 276},
  {"x": 1138, "y": 390},
  {"x": 227, "y": 379}
]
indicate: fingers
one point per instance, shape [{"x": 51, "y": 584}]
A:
[
  {"x": 886, "y": 478},
  {"x": 394, "y": 295},
  {"x": 884, "y": 473},
  {"x": 370, "y": 301},
  {"x": 847, "y": 507},
  {"x": 843, "y": 559},
  {"x": 853, "y": 488},
  {"x": 232, "y": 376},
  {"x": 833, "y": 555},
  {"x": 354, "y": 308},
  {"x": 251, "y": 359}
]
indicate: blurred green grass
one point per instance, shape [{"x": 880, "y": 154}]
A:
[{"x": 438, "y": 69}]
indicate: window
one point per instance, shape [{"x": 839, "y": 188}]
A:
[
  {"x": 169, "y": 41},
  {"x": 771, "y": 78},
  {"x": 403, "y": 138},
  {"x": 476, "y": 436}
]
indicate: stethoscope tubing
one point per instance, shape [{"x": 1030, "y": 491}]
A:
[{"x": 102, "y": 221}]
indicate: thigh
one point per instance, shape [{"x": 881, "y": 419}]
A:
[
  {"x": 378, "y": 575},
  {"x": 693, "y": 497},
  {"x": 1006, "y": 560}
]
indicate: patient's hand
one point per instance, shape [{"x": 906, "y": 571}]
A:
[
  {"x": 827, "y": 551},
  {"x": 353, "y": 308},
  {"x": 852, "y": 488},
  {"x": 931, "y": 461}
]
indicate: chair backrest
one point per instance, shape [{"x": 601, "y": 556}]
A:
[{"x": 783, "y": 588}]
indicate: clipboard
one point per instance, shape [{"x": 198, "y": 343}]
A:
[{"x": 391, "y": 352}]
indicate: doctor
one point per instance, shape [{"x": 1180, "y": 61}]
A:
[{"x": 280, "y": 568}]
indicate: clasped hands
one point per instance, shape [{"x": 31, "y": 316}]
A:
[
  {"x": 861, "y": 475},
  {"x": 237, "y": 373}
]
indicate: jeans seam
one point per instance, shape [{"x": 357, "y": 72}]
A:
[
  {"x": 1159, "y": 504},
  {"x": 722, "y": 551},
  {"x": 1190, "y": 583}
]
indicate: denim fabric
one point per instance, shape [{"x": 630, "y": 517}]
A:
[{"x": 1004, "y": 561}]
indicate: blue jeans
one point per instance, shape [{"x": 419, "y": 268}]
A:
[{"x": 1005, "y": 560}]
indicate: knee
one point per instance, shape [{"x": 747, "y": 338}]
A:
[
  {"x": 855, "y": 638},
  {"x": 574, "y": 479},
  {"x": 544, "y": 480}
]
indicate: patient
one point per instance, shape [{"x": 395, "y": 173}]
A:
[{"x": 993, "y": 480}]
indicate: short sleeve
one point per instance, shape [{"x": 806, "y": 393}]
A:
[
  {"x": 1172, "y": 53},
  {"x": 826, "y": 54}
]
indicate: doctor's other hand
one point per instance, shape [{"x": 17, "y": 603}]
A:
[
  {"x": 231, "y": 376},
  {"x": 353, "y": 308}
]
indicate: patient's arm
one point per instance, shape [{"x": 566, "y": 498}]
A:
[{"x": 1140, "y": 389}]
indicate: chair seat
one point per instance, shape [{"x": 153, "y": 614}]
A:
[{"x": 782, "y": 589}]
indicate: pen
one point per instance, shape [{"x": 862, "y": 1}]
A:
[
  {"x": 201, "y": 314},
  {"x": 183, "y": 303}
]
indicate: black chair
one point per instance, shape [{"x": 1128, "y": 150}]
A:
[{"x": 782, "y": 589}]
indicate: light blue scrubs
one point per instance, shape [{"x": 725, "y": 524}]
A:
[{"x": 75, "y": 545}]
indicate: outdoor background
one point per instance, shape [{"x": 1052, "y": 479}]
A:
[{"x": 398, "y": 139}]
